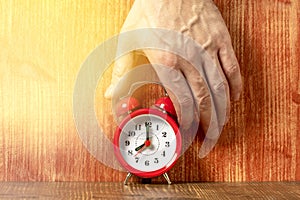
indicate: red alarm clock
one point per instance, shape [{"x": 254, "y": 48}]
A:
[{"x": 147, "y": 142}]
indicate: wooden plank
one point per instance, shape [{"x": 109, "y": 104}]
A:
[{"x": 80, "y": 190}]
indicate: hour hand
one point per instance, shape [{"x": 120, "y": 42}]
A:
[{"x": 140, "y": 147}]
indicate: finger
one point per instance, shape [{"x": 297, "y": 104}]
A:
[
  {"x": 124, "y": 62},
  {"x": 208, "y": 68},
  {"x": 231, "y": 70},
  {"x": 207, "y": 146},
  {"x": 219, "y": 111},
  {"x": 224, "y": 83},
  {"x": 200, "y": 93},
  {"x": 121, "y": 66},
  {"x": 180, "y": 94},
  {"x": 164, "y": 64}
]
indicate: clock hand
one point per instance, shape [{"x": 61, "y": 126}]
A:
[
  {"x": 142, "y": 147},
  {"x": 139, "y": 147},
  {"x": 147, "y": 139},
  {"x": 146, "y": 144},
  {"x": 147, "y": 133}
]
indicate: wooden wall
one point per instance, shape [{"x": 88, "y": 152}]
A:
[{"x": 43, "y": 44}]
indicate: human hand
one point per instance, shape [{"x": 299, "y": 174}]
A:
[{"x": 200, "y": 20}]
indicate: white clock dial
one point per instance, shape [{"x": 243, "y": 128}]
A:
[{"x": 160, "y": 151}]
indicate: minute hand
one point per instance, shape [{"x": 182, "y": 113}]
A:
[{"x": 147, "y": 133}]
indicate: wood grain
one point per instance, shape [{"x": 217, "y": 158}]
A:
[
  {"x": 43, "y": 44},
  {"x": 87, "y": 190}
]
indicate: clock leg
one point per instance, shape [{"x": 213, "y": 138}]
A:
[
  {"x": 127, "y": 178},
  {"x": 167, "y": 178}
]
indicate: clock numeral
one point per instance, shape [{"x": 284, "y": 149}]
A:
[
  {"x": 167, "y": 144},
  {"x": 164, "y": 134},
  {"x": 138, "y": 127},
  {"x": 149, "y": 124},
  {"x": 131, "y": 133},
  {"x": 127, "y": 143},
  {"x": 130, "y": 152},
  {"x": 157, "y": 127},
  {"x": 163, "y": 153},
  {"x": 147, "y": 162},
  {"x": 156, "y": 160},
  {"x": 137, "y": 159}
]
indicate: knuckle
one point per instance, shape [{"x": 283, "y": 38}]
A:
[
  {"x": 185, "y": 102},
  {"x": 233, "y": 70},
  {"x": 205, "y": 102},
  {"x": 221, "y": 85}
]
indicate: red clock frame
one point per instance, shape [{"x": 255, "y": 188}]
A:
[{"x": 118, "y": 132}]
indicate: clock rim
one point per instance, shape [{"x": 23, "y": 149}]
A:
[{"x": 162, "y": 170}]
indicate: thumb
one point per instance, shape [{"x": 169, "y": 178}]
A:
[{"x": 121, "y": 66}]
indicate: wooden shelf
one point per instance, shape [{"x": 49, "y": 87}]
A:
[{"x": 90, "y": 190}]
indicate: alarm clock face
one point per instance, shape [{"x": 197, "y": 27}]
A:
[{"x": 147, "y": 143}]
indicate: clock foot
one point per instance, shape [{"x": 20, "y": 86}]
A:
[
  {"x": 127, "y": 178},
  {"x": 167, "y": 178},
  {"x": 146, "y": 180}
]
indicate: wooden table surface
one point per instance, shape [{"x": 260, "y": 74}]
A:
[{"x": 88, "y": 190}]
